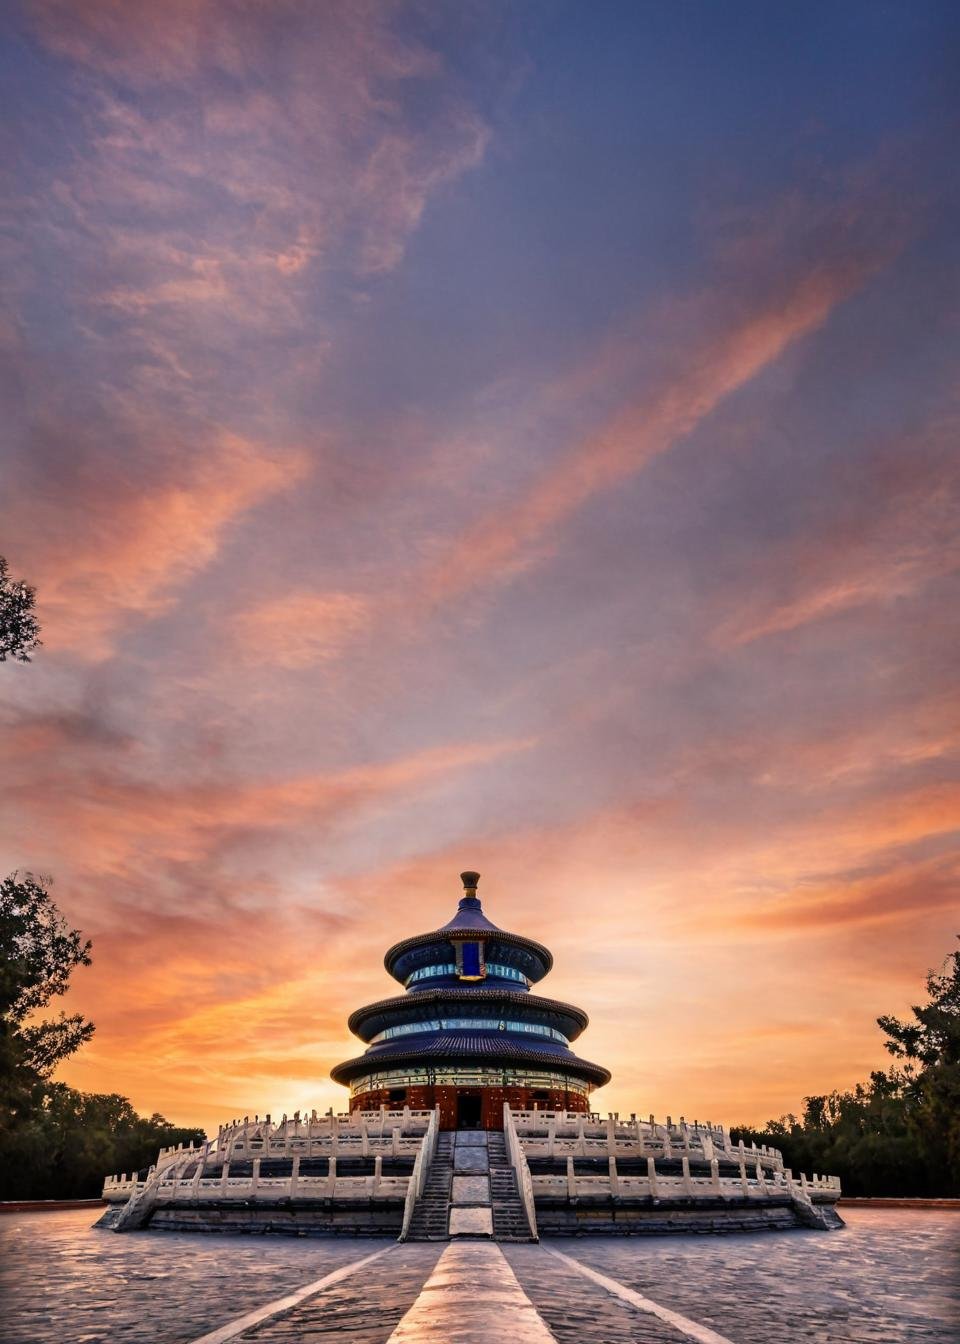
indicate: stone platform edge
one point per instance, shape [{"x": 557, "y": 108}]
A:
[
  {"x": 895, "y": 1202},
  {"x": 48, "y": 1205}
]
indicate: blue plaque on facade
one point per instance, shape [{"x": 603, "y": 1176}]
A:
[{"x": 470, "y": 961}]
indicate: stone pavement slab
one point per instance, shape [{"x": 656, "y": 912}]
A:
[{"x": 471, "y": 1138}]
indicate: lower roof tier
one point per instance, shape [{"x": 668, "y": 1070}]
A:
[{"x": 478, "y": 1047}]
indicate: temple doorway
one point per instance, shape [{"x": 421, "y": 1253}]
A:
[{"x": 469, "y": 1111}]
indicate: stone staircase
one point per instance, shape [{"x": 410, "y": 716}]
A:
[
  {"x": 431, "y": 1214},
  {"x": 470, "y": 1192},
  {"x": 509, "y": 1219}
]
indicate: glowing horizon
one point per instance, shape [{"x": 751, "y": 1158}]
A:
[{"x": 521, "y": 438}]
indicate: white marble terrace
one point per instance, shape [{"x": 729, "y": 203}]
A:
[{"x": 759, "y": 1175}]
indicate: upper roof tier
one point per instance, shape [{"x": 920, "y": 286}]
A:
[{"x": 510, "y": 951}]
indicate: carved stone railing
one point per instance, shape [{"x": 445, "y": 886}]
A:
[
  {"x": 421, "y": 1168},
  {"x": 375, "y": 1134},
  {"x": 564, "y": 1133},
  {"x": 170, "y": 1163},
  {"x": 519, "y": 1163},
  {"x": 755, "y": 1183},
  {"x": 379, "y": 1133}
]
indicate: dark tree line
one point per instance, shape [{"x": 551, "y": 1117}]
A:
[
  {"x": 899, "y": 1134},
  {"x": 56, "y": 1142}
]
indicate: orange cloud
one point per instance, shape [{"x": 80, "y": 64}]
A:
[
  {"x": 113, "y": 817},
  {"x": 299, "y": 628},
  {"x": 900, "y": 894}
]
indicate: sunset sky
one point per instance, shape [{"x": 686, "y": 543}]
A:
[{"x": 514, "y": 436}]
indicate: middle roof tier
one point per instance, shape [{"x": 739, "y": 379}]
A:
[{"x": 401, "y": 1015}]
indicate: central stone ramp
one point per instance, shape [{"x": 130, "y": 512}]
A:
[
  {"x": 472, "y": 1297},
  {"x": 471, "y": 1212}
]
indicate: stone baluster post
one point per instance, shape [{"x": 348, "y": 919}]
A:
[
  {"x": 614, "y": 1176},
  {"x": 551, "y": 1137},
  {"x": 377, "y": 1172},
  {"x": 294, "y": 1175},
  {"x": 395, "y": 1141},
  {"x": 715, "y": 1174},
  {"x": 652, "y": 1176},
  {"x": 571, "y": 1180},
  {"x": 611, "y": 1134},
  {"x": 332, "y": 1176},
  {"x": 255, "y": 1178},
  {"x": 745, "y": 1184},
  {"x": 687, "y": 1181},
  {"x": 224, "y": 1177}
]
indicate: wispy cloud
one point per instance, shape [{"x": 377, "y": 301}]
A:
[
  {"x": 703, "y": 373},
  {"x": 896, "y": 535},
  {"x": 116, "y": 551}
]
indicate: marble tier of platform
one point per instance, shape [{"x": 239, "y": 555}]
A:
[{"x": 395, "y": 1173}]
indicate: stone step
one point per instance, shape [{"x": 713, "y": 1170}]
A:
[{"x": 431, "y": 1213}]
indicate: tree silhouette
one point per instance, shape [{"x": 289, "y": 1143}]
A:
[{"x": 19, "y": 627}]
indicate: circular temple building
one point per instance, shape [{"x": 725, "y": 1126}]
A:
[{"x": 468, "y": 1034}]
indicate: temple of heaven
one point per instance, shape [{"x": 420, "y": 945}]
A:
[
  {"x": 469, "y": 1116},
  {"x": 468, "y": 1034}
]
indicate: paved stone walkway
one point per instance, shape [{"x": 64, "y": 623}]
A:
[
  {"x": 576, "y": 1310},
  {"x": 888, "y": 1278},
  {"x": 62, "y": 1282},
  {"x": 365, "y": 1307}
]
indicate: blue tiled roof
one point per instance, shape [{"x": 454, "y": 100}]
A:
[
  {"x": 436, "y": 952},
  {"x": 469, "y": 917},
  {"x": 495, "y": 1047}
]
